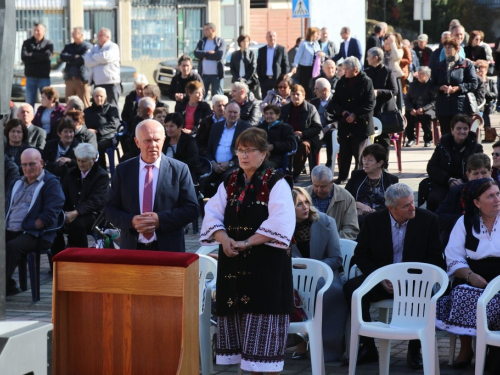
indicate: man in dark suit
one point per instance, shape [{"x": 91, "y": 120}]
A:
[
  {"x": 388, "y": 236},
  {"x": 152, "y": 196},
  {"x": 220, "y": 148},
  {"x": 323, "y": 91},
  {"x": 375, "y": 40},
  {"x": 271, "y": 62},
  {"x": 349, "y": 47}
]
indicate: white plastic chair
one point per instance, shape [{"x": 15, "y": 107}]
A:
[
  {"x": 413, "y": 317},
  {"x": 207, "y": 265},
  {"x": 347, "y": 250},
  {"x": 205, "y": 250},
  {"x": 305, "y": 281},
  {"x": 477, "y": 126},
  {"x": 484, "y": 335},
  {"x": 335, "y": 147},
  {"x": 377, "y": 125}
]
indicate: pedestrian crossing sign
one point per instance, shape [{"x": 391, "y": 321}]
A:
[{"x": 300, "y": 8}]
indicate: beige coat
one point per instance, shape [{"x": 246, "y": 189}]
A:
[{"x": 343, "y": 209}]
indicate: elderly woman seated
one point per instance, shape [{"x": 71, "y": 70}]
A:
[
  {"x": 86, "y": 190},
  {"x": 58, "y": 154},
  {"x": 130, "y": 107},
  {"x": 17, "y": 140},
  {"x": 368, "y": 185},
  {"x": 316, "y": 237},
  {"x": 420, "y": 104},
  {"x": 103, "y": 120},
  {"x": 473, "y": 259}
]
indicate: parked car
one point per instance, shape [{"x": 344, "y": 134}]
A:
[
  {"x": 166, "y": 70},
  {"x": 127, "y": 75}
]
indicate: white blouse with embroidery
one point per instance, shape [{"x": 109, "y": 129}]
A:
[
  {"x": 279, "y": 226},
  {"x": 457, "y": 254}
]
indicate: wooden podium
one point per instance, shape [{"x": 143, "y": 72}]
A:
[{"x": 125, "y": 312}]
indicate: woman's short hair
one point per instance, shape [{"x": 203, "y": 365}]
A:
[
  {"x": 176, "y": 119},
  {"x": 478, "y": 161},
  {"x": 152, "y": 91},
  {"x": 274, "y": 108},
  {"x": 424, "y": 69},
  {"x": 451, "y": 42},
  {"x": 86, "y": 151},
  {"x": 253, "y": 137},
  {"x": 219, "y": 98},
  {"x": 193, "y": 86},
  {"x": 310, "y": 32},
  {"x": 51, "y": 93},
  {"x": 163, "y": 110},
  {"x": 65, "y": 123},
  {"x": 242, "y": 37},
  {"x": 297, "y": 191},
  {"x": 242, "y": 86},
  {"x": 396, "y": 192},
  {"x": 140, "y": 79},
  {"x": 459, "y": 117},
  {"x": 14, "y": 123},
  {"x": 482, "y": 63},
  {"x": 297, "y": 88},
  {"x": 77, "y": 116},
  {"x": 472, "y": 35},
  {"x": 377, "y": 151},
  {"x": 185, "y": 58},
  {"x": 352, "y": 62},
  {"x": 283, "y": 77},
  {"x": 377, "y": 52},
  {"x": 100, "y": 90}
]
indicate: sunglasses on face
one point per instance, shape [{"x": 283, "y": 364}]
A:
[{"x": 495, "y": 154}]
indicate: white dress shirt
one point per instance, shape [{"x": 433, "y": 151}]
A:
[
  {"x": 142, "y": 177},
  {"x": 346, "y": 47},
  {"x": 223, "y": 152},
  {"x": 270, "y": 59}
]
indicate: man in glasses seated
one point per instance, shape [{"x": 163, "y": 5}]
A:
[{"x": 32, "y": 205}]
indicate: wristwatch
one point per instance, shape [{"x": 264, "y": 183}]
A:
[
  {"x": 231, "y": 164},
  {"x": 247, "y": 244}
]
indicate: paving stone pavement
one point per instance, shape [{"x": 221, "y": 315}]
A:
[{"x": 20, "y": 307}]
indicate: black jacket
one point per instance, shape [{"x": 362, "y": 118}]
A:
[
  {"x": 75, "y": 67},
  {"x": 220, "y": 49},
  {"x": 280, "y": 62},
  {"x": 86, "y": 136},
  {"x": 88, "y": 195},
  {"x": 187, "y": 152},
  {"x": 216, "y": 134},
  {"x": 104, "y": 119},
  {"x": 309, "y": 120},
  {"x": 333, "y": 81},
  {"x": 203, "y": 133},
  {"x": 384, "y": 81},
  {"x": 36, "y": 57},
  {"x": 130, "y": 107},
  {"x": 421, "y": 53},
  {"x": 178, "y": 84},
  {"x": 360, "y": 100},
  {"x": 202, "y": 110},
  {"x": 443, "y": 161},
  {"x": 475, "y": 53},
  {"x": 421, "y": 92},
  {"x": 282, "y": 137},
  {"x": 11, "y": 171},
  {"x": 491, "y": 91},
  {"x": 49, "y": 156},
  {"x": 250, "y": 64},
  {"x": 372, "y": 41},
  {"x": 358, "y": 177},
  {"x": 449, "y": 211},
  {"x": 250, "y": 110},
  {"x": 463, "y": 75}
]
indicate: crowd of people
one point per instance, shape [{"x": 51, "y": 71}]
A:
[{"x": 56, "y": 162}]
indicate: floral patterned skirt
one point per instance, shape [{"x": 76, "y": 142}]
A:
[
  {"x": 456, "y": 312},
  {"x": 257, "y": 341}
]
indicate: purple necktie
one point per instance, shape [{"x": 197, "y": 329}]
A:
[{"x": 147, "y": 198}]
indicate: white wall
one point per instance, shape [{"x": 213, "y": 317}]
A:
[{"x": 335, "y": 14}]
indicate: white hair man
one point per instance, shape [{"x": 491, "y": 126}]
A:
[
  {"x": 36, "y": 135},
  {"x": 219, "y": 103},
  {"x": 76, "y": 75},
  {"x": 250, "y": 110},
  {"x": 323, "y": 92},
  {"x": 327, "y": 46},
  {"x": 131, "y": 100},
  {"x": 103, "y": 62}
]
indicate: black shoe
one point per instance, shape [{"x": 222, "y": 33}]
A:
[
  {"x": 13, "y": 290},
  {"x": 338, "y": 181},
  {"x": 461, "y": 365},
  {"x": 414, "y": 358},
  {"x": 410, "y": 143},
  {"x": 328, "y": 164},
  {"x": 427, "y": 144},
  {"x": 367, "y": 354}
]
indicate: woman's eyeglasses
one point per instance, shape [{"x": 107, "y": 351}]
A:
[{"x": 242, "y": 152}]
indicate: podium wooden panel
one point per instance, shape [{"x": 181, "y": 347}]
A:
[{"x": 125, "y": 312}]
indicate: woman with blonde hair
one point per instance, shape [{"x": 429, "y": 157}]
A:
[{"x": 316, "y": 237}]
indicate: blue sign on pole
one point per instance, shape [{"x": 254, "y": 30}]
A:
[{"x": 300, "y": 8}]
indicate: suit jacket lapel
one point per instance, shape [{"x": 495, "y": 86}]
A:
[
  {"x": 410, "y": 234},
  {"x": 134, "y": 188},
  {"x": 388, "y": 239}
]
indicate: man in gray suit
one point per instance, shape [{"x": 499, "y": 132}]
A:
[{"x": 152, "y": 197}]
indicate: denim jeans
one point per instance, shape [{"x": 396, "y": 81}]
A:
[
  {"x": 217, "y": 84},
  {"x": 32, "y": 85}
]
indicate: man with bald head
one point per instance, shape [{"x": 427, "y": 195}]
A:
[
  {"x": 272, "y": 61},
  {"x": 152, "y": 196},
  {"x": 36, "y": 135},
  {"x": 32, "y": 205}
]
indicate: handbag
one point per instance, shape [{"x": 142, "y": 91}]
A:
[
  {"x": 473, "y": 102},
  {"x": 299, "y": 314},
  {"x": 490, "y": 135},
  {"x": 316, "y": 67},
  {"x": 392, "y": 121}
]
